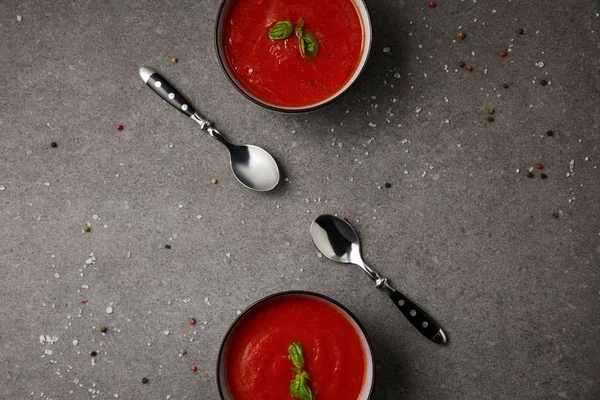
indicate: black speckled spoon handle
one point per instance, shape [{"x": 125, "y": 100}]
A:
[
  {"x": 164, "y": 89},
  {"x": 417, "y": 317}
]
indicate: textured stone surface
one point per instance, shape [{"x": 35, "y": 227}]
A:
[{"x": 461, "y": 232}]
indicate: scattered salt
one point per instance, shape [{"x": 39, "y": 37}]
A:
[{"x": 109, "y": 310}]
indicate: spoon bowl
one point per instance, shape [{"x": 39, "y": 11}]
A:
[
  {"x": 254, "y": 167},
  {"x": 336, "y": 239}
]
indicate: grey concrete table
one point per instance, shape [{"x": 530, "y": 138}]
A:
[{"x": 462, "y": 229}]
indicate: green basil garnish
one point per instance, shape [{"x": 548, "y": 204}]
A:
[
  {"x": 309, "y": 47},
  {"x": 281, "y": 30},
  {"x": 299, "y": 386}
]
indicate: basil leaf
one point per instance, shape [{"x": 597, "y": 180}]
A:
[
  {"x": 281, "y": 30},
  {"x": 297, "y": 354},
  {"x": 303, "y": 47},
  {"x": 311, "y": 44},
  {"x": 299, "y": 387}
]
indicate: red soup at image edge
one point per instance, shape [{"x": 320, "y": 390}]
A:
[
  {"x": 258, "y": 364},
  {"x": 274, "y": 71}
]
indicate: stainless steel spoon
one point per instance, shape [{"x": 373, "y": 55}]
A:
[
  {"x": 252, "y": 166},
  {"x": 337, "y": 240}
]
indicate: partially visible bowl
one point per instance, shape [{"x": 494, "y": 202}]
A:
[
  {"x": 266, "y": 20},
  {"x": 256, "y": 353}
]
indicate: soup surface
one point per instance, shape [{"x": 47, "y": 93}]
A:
[
  {"x": 275, "y": 71},
  {"x": 258, "y": 364}
]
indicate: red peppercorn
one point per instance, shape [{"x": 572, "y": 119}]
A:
[
  {"x": 503, "y": 53},
  {"x": 84, "y": 302},
  {"x": 539, "y": 166},
  {"x": 432, "y": 4},
  {"x": 193, "y": 321},
  {"x": 469, "y": 68},
  {"x": 194, "y": 369},
  {"x": 119, "y": 127},
  {"x": 346, "y": 219}
]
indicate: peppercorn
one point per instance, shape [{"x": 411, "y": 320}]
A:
[
  {"x": 53, "y": 144},
  {"x": 544, "y": 176},
  {"x": 503, "y": 53},
  {"x": 86, "y": 229},
  {"x": 93, "y": 353},
  {"x": 490, "y": 119},
  {"x": 214, "y": 181},
  {"x": 119, "y": 127},
  {"x": 346, "y": 219},
  {"x": 144, "y": 380},
  {"x": 192, "y": 321},
  {"x": 550, "y": 133},
  {"x": 460, "y": 35},
  {"x": 505, "y": 85},
  {"x": 543, "y": 82},
  {"x": 461, "y": 64},
  {"x": 167, "y": 246},
  {"x": 182, "y": 352},
  {"x": 103, "y": 329},
  {"x": 194, "y": 369},
  {"x": 489, "y": 110},
  {"x": 530, "y": 174},
  {"x": 84, "y": 302},
  {"x": 388, "y": 185},
  {"x": 432, "y": 4},
  {"x": 521, "y": 31},
  {"x": 469, "y": 68},
  {"x": 174, "y": 60},
  {"x": 556, "y": 214},
  {"x": 539, "y": 166}
]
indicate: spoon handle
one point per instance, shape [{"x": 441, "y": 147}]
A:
[
  {"x": 419, "y": 318},
  {"x": 163, "y": 88}
]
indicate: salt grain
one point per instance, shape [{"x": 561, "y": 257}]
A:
[
  {"x": 386, "y": 49},
  {"x": 109, "y": 310},
  {"x": 19, "y": 18}
]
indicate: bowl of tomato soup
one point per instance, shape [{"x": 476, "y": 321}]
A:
[
  {"x": 293, "y": 55},
  {"x": 294, "y": 342}
]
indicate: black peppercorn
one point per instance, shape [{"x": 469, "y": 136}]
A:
[
  {"x": 521, "y": 31},
  {"x": 102, "y": 329},
  {"x": 144, "y": 380},
  {"x": 53, "y": 144},
  {"x": 550, "y": 133},
  {"x": 544, "y": 176},
  {"x": 388, "y": 185},
  {"x": 505, "y": 85},
  {"x": 167, "y": 246},
  {"x": 556, "y": 214},
  {"x": 490, "y": 119},
  {"x": 530, "y": 174},
  {"x": 93, "y": 353},
  {"x": 543, "y": 82}
]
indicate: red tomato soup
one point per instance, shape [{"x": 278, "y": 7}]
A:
[
  {"x": 258, "y": 364},
  {"x": 275, "y": 71}
]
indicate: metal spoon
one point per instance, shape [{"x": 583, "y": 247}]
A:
[
  {"x": 252, "y": 166},
  {"x": 337, "y": 240}
]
